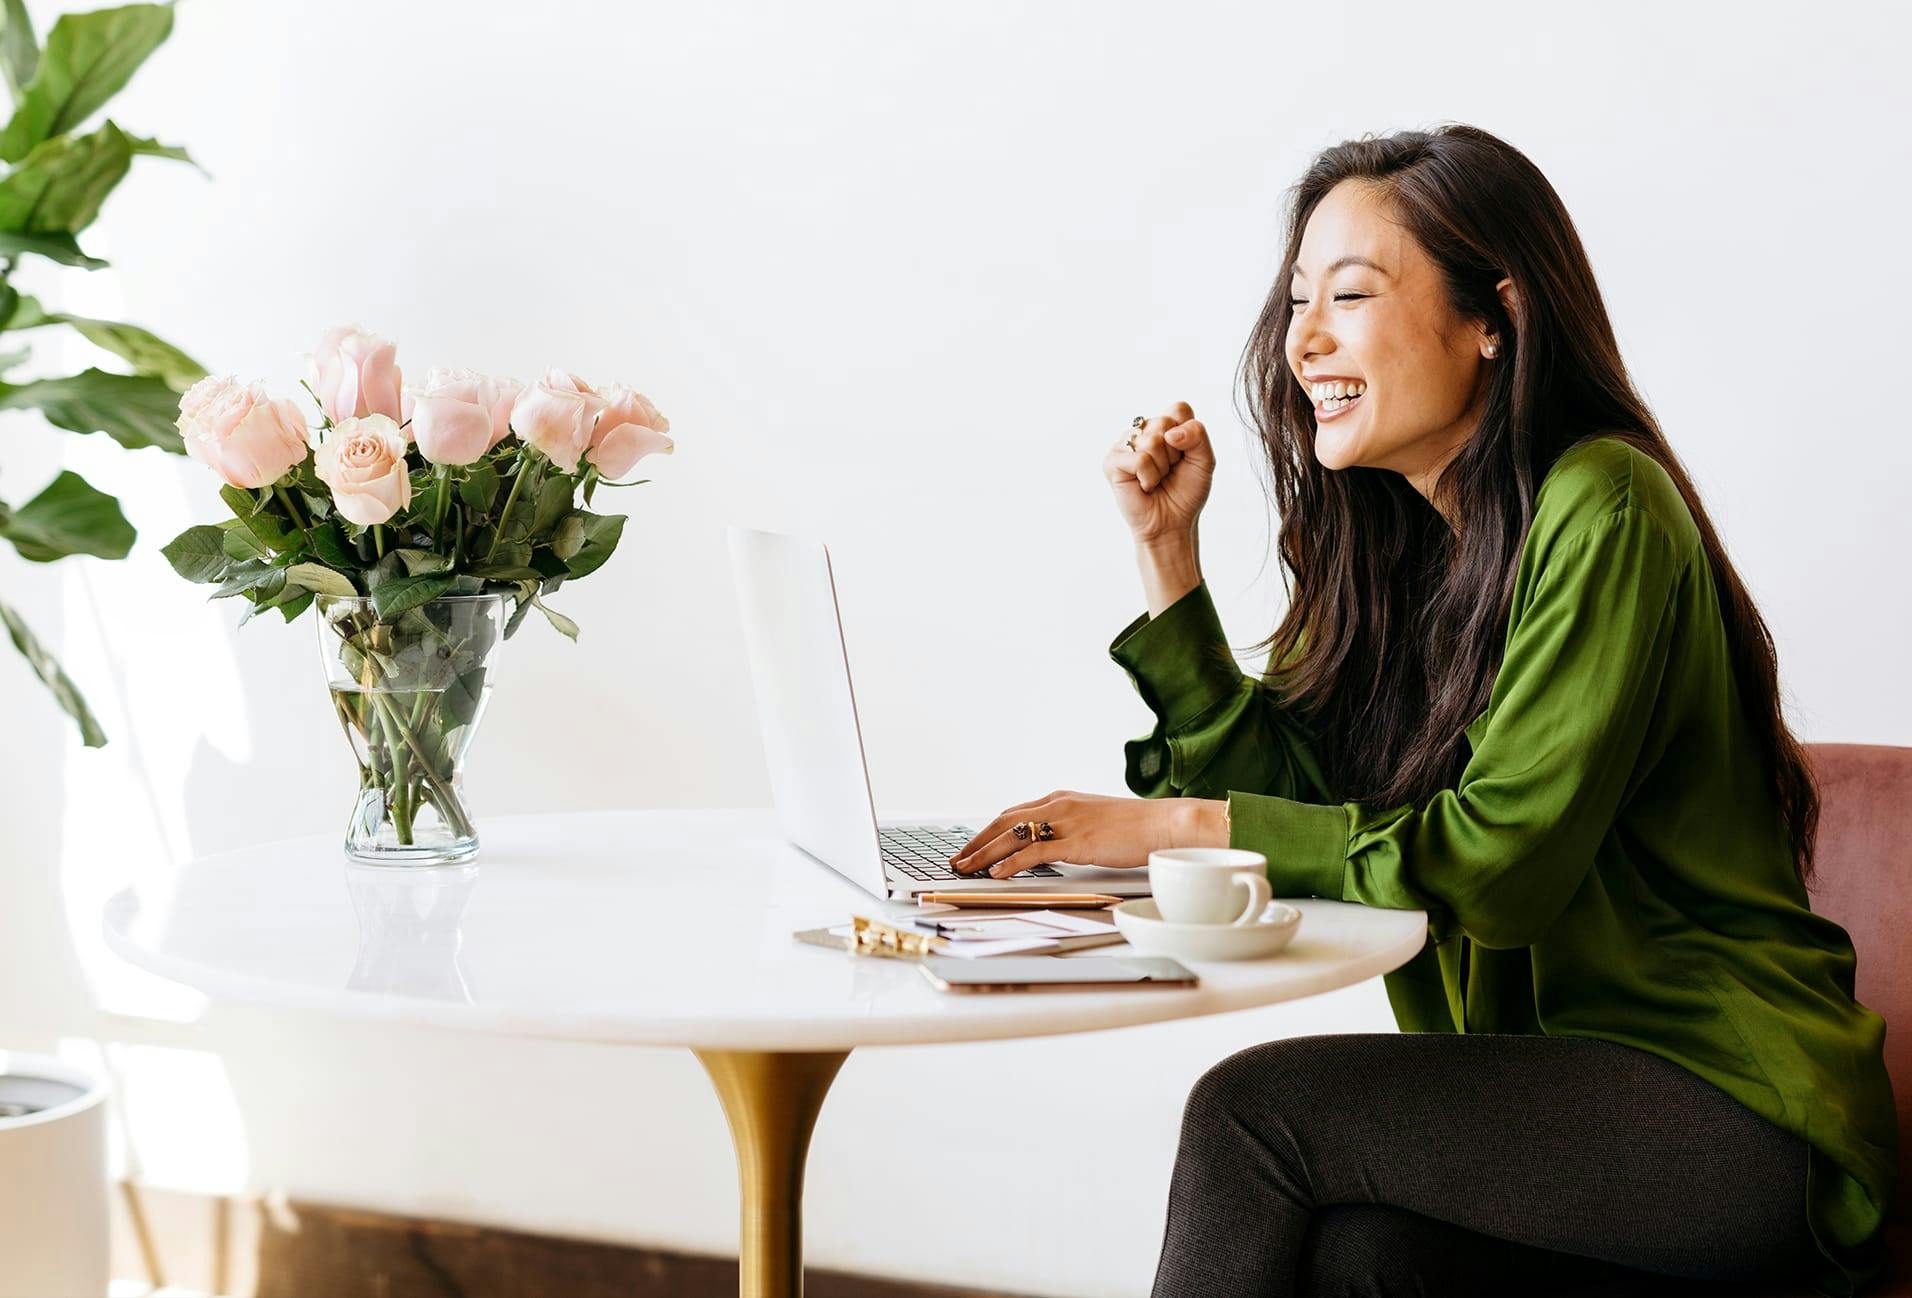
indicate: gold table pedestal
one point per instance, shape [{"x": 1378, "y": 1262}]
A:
[{"x": 771, "y": 1099}]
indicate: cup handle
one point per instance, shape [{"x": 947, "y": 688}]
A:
[{"x": 1258, "y": 895}]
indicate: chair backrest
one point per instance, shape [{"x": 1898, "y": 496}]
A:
[{"x": 1862, "y": 880}]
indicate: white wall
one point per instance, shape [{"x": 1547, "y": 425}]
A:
[{"x": 898, "y": 274}]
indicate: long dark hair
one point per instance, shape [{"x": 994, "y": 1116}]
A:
[{"x": 1395, "y": 622}]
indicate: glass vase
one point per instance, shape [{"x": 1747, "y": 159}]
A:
[{"x": 409, "y": 689}]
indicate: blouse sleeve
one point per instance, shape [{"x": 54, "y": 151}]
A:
[
  {"x": 1216, "y": 727},
  {"x": 1501, "y": 853}
]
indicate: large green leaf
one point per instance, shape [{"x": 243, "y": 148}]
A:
[
  {"x": 62, "y": 248},
  {"x": 319, "y": 579},
  {"x": 65, "y": 692},
  {"x": 133, "y": 409},
  {"x": 69, "y": 517},
  {"x": 19, "y": 52},
  {"x": 145, "y": 146},
  {"x": 601, "y": 533},
  {"x": 58, "y": 189},
  {"x": 20, "y": 310},
  {"x": 397, "y": 594},
  {"x": 198, "y": 553},
  {"x": 145, "y": 352},
  {"x": 88, "y": 57}
]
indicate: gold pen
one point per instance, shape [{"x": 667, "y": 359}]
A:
[{"x": 1020, "y": 900}]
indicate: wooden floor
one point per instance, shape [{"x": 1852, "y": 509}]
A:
[{"x": 278, "y": 1248}]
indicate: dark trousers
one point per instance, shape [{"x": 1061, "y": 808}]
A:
[{"x": 1473, "y": 1164}]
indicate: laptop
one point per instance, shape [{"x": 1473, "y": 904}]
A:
[{"x": 813, "y": 743}]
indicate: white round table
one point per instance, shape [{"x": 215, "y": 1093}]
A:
[{"x": 656, "y": 928}]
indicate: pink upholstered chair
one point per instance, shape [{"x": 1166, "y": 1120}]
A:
[{"x": 1862, "y": 881}]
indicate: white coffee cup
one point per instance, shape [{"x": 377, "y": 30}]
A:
[{"x": 1203, "y": 885}]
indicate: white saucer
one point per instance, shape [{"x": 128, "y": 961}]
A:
[{"x": 1142, "y": 924}]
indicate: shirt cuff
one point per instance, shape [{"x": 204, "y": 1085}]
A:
[
  {"x": 1179, "y": 658},
  {"x": 1306, "y": 843}
]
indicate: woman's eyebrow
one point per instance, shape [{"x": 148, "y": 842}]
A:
[{"x": 1350, "y": 260}]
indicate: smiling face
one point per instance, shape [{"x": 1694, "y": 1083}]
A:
[{"x": 1371, "y": 316}]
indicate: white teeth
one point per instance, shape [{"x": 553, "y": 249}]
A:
[{"x": 1337, "y": 391}]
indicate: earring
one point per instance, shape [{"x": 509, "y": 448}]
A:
[{"x": 1493, "y": 350}]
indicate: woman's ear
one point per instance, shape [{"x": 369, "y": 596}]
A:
[
  {"x": 1510, "y": 302},
  {"x": 1509, "y": 299}
]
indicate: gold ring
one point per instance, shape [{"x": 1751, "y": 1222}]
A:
[
  {"x": 1137, "y": 422},
  {"x": 1022, "y": 828},
  {"x": 1131, "y": 441}
]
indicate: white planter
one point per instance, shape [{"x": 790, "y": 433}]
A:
[{"x": 53, "y": 1204}]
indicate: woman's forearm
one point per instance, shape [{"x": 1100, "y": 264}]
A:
[{"x": 1170, "y": 569}]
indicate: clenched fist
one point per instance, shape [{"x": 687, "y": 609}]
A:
[{"x": 1162, "y": 484}]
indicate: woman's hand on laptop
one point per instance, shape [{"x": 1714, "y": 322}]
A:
[{"x": 1092, "y": 829}]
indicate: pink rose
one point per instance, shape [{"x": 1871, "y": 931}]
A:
[
  {"x": 355, "y": 373},
  {"x": 506, "y": 393},
  {"x": 629, "y": 429},
  {"x": 556, "y": 415},
  {"x": 457, "y": 416},
  {"x": 363, "y": 462},
  {"x": 246, "y": 438}
]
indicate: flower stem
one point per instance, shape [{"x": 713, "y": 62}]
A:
[
  {"x": 378, "y": 539},
  {"x": 517, "y": 482},
  {"x": 400, "y": 777},
  {"x": 299, "y": 516},
  {"x": 438, "y": 513},
  {"x": 447, "y": 800}
]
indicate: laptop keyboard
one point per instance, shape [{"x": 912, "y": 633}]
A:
[{"x": 922, "y": 852}]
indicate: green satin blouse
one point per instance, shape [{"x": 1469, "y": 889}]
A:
[{"x": 1610, "y": 863}]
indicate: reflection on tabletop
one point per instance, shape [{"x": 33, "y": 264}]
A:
[{"x": 409, "y": 937}]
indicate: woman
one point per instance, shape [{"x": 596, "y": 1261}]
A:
[{"x": 1519, "y": 686}]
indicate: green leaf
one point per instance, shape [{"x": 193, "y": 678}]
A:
[
  {"x": 263, "y": 519},
  {"x": 419, "y": 562},
  {"x": 198, "y": 553},
  {"x": 63, "y": 248},
  {"x": 480, "y": 487},
  {"x": 396, "y": 595},
  {"x": 554, "y": 501},
  {"x": 240, "y": 544},
  {"x": 145, "y": 147},
  {"x": 517, "y": 616},
  {"x": 19, "y": 52},
  {"x": 58, "y": 189},
  {"x": 331, "y": 547},
  {"x": 601, "y": 533},
  {"x": 135, "y": 410},
  {"x": 243, "y": 503},
  {"x": 569, "y": 537},
  {"x": 65, "y": 692},
  {"x": 292, "y": 607},
  {"x": 21, "y": 311},
  {"x": 146, "y": 353},
  {"x": 464, "y": 695},
  {"x": 69, "y": 517},
  {"x": 250, "y": 576},
  {"x": 509, "y": 554},
  {"x": 88, "y": 57},
  {"x": 271, "y": 594},
  {"x": 565, "y": 626},
  {"x": 320, "y": 580}
]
